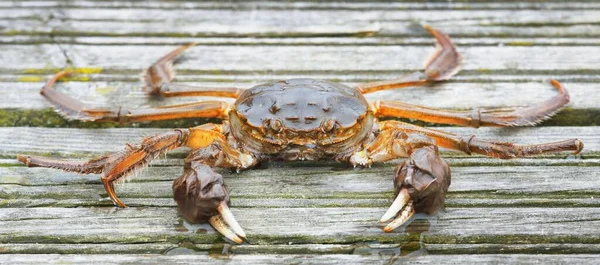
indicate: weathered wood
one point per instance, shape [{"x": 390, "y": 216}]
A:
[
  {"x": 518, "y": 208},
  {"x": 478, "y": 94},
  {"x": 79, "y": 143},
  {"x": 290, "y": 58},
  {"x": 306, "y": 184},
  {"x": 294, "y": 259},
  {"x": 300, "y": 40},
  {"x": 472, "y": 186},
  {"x": 290, "y": 20},
  {"x": 302, "y": 225}
]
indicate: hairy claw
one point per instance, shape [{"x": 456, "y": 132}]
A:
[
  {"x": 202, "y": 197},
  {"x": 422, "y": 181}
]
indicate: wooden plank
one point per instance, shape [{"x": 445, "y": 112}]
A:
[
  {"x": 501, "y": 94},
  {"x": 302, "y": 226},
  {"x": 309, "y": 182},
  {"x": 79, "y": 143},
  {"x": 315, "y": 187},
  {"x": 294, "y": 41},
  {"x": 286, "y": 58},
  {"x": 359, "y": 248},
  {"x": 293, "y": 22},
  {"x": 513, "y": 248},
  {"x": 294, "y": 259},
  {"x": 319, "y": 212},
  {"x": 359, "y": 5}
]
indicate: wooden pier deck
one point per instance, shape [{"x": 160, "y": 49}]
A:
[{"x": 535, "y": 210}]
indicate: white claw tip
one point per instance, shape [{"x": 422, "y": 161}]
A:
[
  {"x": 228, "y": 218},
  {"x": 396, "y": 206},
  {"x": 406, "y": 214}
]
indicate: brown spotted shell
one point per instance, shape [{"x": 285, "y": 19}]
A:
[{"x": 301, "y": 104}]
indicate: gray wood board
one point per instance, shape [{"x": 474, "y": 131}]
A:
[
  {"x": 302, "y": 225},
  {"x": 317, "y": 212},
  {"x": 104, "y": 93},
  {"x": 304, "y": 259},
  {"x": 294, "y": 58},
  {"x": 86, "y": 142}
]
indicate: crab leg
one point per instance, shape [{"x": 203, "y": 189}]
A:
[
  {"x": 422, "y": 181},
  {"x": 501, "y": 117},
  {"x": 73, "y": 109},
  {"x": 442, "y": 65},
  {"x": 157, "y": 80},
  {"x": 119, "y": 165},
  {"x": 470, "y": 144},
  {"x": 201, "y": 194}
]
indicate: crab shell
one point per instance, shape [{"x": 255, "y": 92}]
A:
[{"x": 302, "y": 114}]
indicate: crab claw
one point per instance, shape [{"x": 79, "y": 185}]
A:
[
  {"x": 422, "y": 183},
  {"x": 202, "y": 197}
]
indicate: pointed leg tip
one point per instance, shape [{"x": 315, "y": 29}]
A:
[
  {"x": 388, "y": 229},
  {"x": 237, "y": 239},
  {"x": 579, "y": 145},
  {"x": 555, "y": 83},
  {"x": 23, "y": 159}
]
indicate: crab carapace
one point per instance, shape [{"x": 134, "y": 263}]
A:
[{"x": 302, "y": 119}]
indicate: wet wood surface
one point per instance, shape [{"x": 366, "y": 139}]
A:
[{"x": 533, "y": 210}]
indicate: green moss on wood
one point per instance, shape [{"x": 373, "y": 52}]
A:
[{"x": 49, "y": 118}]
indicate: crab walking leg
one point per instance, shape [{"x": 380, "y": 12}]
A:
[
  {"x": 117, "y": 166},
  {"x": 442, "y": 65},
  {"x": 73, "y": 109},
  {"x": 178, "y": 90},
  {"x": 527, "y": 116},
  {"x": 94, "y": 166},
  {"x": 470, "y": 144},
  {"x": 157, "y": 80},
  {"x": 201, "y": 194}
]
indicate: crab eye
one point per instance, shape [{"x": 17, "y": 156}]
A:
[
  {"x": 328, "y": 125},
  {"x": 276, "y": 125}
]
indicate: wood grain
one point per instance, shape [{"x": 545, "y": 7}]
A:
[{"x": 532, "y": 210}]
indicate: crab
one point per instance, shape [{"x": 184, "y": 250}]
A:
[{"x": 302, "y": 119}]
